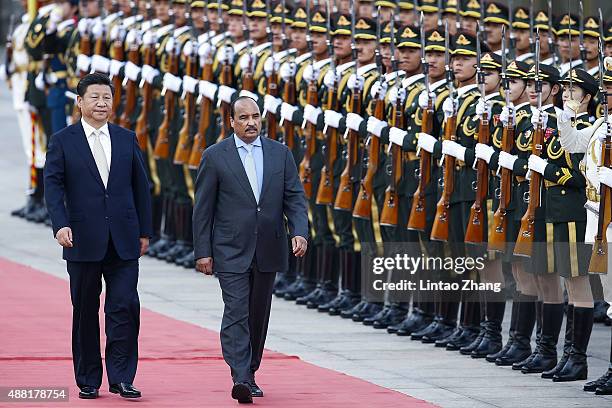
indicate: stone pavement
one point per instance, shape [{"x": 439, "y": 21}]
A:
[{"x": 422, "y": 371}]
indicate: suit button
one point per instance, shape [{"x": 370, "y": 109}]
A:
[
  {"x": 255, "y": 232},
  {"x": 105, "y": 195},
  {"x": 106, "y": 218},
  {"x": 258, "y": 209}
]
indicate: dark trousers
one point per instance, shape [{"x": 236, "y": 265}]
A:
[
  {"x": 122, "y": 319},
  {"x": 247, "y": 298}
]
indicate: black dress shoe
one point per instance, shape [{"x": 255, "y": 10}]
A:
[
  {"x": 592, "y": 386},
  {"x": 368, "y": 311},
  {"x": 255, "y": 390},
  {"x": 348, "y": 302},
  {"x": 242, "y": 393},
  {"x": 369, "y": 320},
  {"x": 125, "y": 390},
  {"x": 605, "y": 388},
  {"x": 395, "y": 315},
  {"x": 414, "y": 323},
  {"x": 418, "y": 334},
  {"x": 88, "y": 392},
  {"x": 348, "y": 313},
  {"x": 453, "y": 337},
  {"x": 442, "y": 330}
]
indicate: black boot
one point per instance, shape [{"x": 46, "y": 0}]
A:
[
  {"x": 446, "y": 326},
  {"x": 161, "y": 245},
  {"x": 414, "y": 321},
  {"x": 600, "y": 313},
  {"x": 521, "y": 344},
  {"x": 397, "y": 313},
  {"x": 368, "y": 311},
  {"x": 545, "y": 357},
  {"x": 472, "y": 332},
  {"x": 519, "y": 364},
  {"x": 329, "y": 278},
  {"x": 170, "y": 226},
  {"x": 351, "y": 295},
  {"x": 513, "y": 318},
  {"x": 567, "y": 345},
  {"x": 355, "y": 310},
  {"x": 603, "y": 383},
  {"x": 309, "y": 281},
  {"x": 492, "y": 340},
  {"x": 576, "y": 367},
  {"x": 467, "y": 348}
]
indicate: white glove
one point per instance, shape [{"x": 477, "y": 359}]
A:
[
  {"x": 312, "y": 113},
  {"x": 226, "y": 55},
  {"x": 396, "y": 136},
  {"x": 423, "y": 99},
  {"x": 114, "y": 33},
  {"x": 3, "y": 73},
  {"x": 330, "y": 79},
  {"x": 100, "y": 64},
  {"x": 449, "y": 107},
  {"x": 83, "y": 26},
  {"x": 83, "y": 62},
  {"x": 133, "y": 37},
  {"x": 353, "y": 121},
  {"x": 189, "y": 84},
  {"x": 171, "y": 82},
  {"x": 536, "y": 164},
  {"x": 188, "y": 48},
  {"x": 535, "y": 118},
  {"x": 287, "y": 111},
  {"x": 378, "y": 90},
  {"x": 604, "y": 174},
  {"x": 506, "y": 160},
  {"x": 170, "y": 45},
  {"x": 310, "y": 73},
  {"x": 396, "y": 94},
  {"x": 271, "y": 103},
  {"x": 505, "y": 114},
  {"x": 56, "y": 15},
  {"x": 39, "y": 82},
  {"x": 115, "y": 67},
  {"x": 355, "y": 82},
  {"x": 132, "y": 70},
  {"x": 225, "y": 93},
  {"x": 426, "y": 142},
  {"x": 51, "y": 78},
  {"x": 484, "y": 152},
  {"x": 570, "y": 110},
  {"x": 287, "y": 71},
  {"x": 250, "y": 94},
  {"x": 149, "y": 73},
  {"x": 454, "y": 149},
  {"x": 482, "y": 107},
  {"x": 270, "y": 65},
  {"x": 149, "y": 37},
  {"x": 208, "y": 90},
  {"x": 332, "y": 118},
  {"x": 375, "y": 126},
  {"x": 98, "y": 29},
  {"x": 245, "y": 60},
  {"x": 204, "y": 51}
]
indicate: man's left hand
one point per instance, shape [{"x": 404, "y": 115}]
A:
[
  {"x": 299, "y": 244},
  {"x": 144, "y": 245}
]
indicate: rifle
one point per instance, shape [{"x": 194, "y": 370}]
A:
[
  {"x": 119, "y": 55},
  {"x": 131, "y": 87},
  {"x": 247, "y": 75},
  {"x": 524, "y": 241},
  {"x": 512, "y": 34},
  {"x": 532, "y": 25},
  {"x": 183, "y": 147},
  {"x": 497, "y": 239},
  {"x": 363, "y": 205},
  {"x": 8, "y": 56},
  {"x": 226, "y": 79},
  {"x": 199, "y": 140},
  {"x": 272, "y": 83},
  {"x": 142, "y": 123},
  {"x": 599, "y": 256},
  {"x": 417, "y": 218},
  {"x": 551, "y": 43},
  {"x": 162, "y": 144},
  {"x": 325, "y": 191},
  {"x": 475, "y": 228},
  {"x": 310, "y": 136},
  {"x": 85, "y": 49},
  {"x": 583, "y": 53},
  {"x": 344, "y": 196},
  {"x": 288, "y": 90},
  {"x": 439, "y": 230}
]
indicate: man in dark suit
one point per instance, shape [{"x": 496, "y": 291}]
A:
[
  {"x": 245, "y": 188},
  {"x": 98, "y": 198}
]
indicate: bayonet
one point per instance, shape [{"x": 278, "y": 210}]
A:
[
  {"x": 583, "y": 54},
  {"x": 512, "y": 35},
  {"x": 532, "y": 25},
  {"x": 377, "y": 50},
  {"x": 551, "y": 40},
  {"x": 440, "y": 8}
]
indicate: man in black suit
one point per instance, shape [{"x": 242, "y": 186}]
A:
[
  {"x": 245, "y": 188},
  {"x": 98, "y": 198}
]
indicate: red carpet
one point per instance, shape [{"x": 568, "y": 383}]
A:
[{"x": 180, "y": 363}]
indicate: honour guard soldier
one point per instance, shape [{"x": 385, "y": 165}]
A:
[
  {"x": 496, "y": 17},
  {"x": 522, "y": 34},
  {"x": 567, "y": 35}
]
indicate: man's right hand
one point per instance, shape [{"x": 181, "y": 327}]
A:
[
  {"x": 64, "y": 237},
  {"x": 205, "y": 265}
]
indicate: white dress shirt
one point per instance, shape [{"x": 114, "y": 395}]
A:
[{"x": 105, "y": 139}]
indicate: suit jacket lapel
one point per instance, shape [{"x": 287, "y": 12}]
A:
[
  {"x": 267, "y": 165},
  {"x": 235, "y": 164},
  {"x": 80, "y": 142}
]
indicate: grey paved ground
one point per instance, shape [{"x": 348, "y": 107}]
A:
[{"x": 441, "y": 377}]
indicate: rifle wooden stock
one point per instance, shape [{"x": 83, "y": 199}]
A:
[
  {"x": 497, "y": 239},
  {"x": 363, "y": 205},
  {"x": 325, "y": 191},
  {"x": 417, "y": 219},
  {"x": 119, "y": 55},
  {"x": 524, "y": 241},
  {"x": 226, "y": 79},
  {"x": 247, "y": 81},
  {"x": 288, "y": 126},
  {"x": 310, "y": 137},
  {"x": 439, "y": 231},
  {"x": 162, "y": 144},
  {"x": 271, "y": 122},
  {"x": 389, "y": 214},
  {"x": 130, "y": 98},
  {"x": 199, "y": 140},
  {"x": 183, "y": 147},
  {"x": 599, "y": 256},
  {"x": 142, "y": 123},
  {"x": 85, "y": 49},
  {"x": 475, "y": 228},
  {"x": 344, "y": 196}
]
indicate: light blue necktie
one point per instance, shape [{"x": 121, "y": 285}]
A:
[{"x": 249, "y": 167}]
